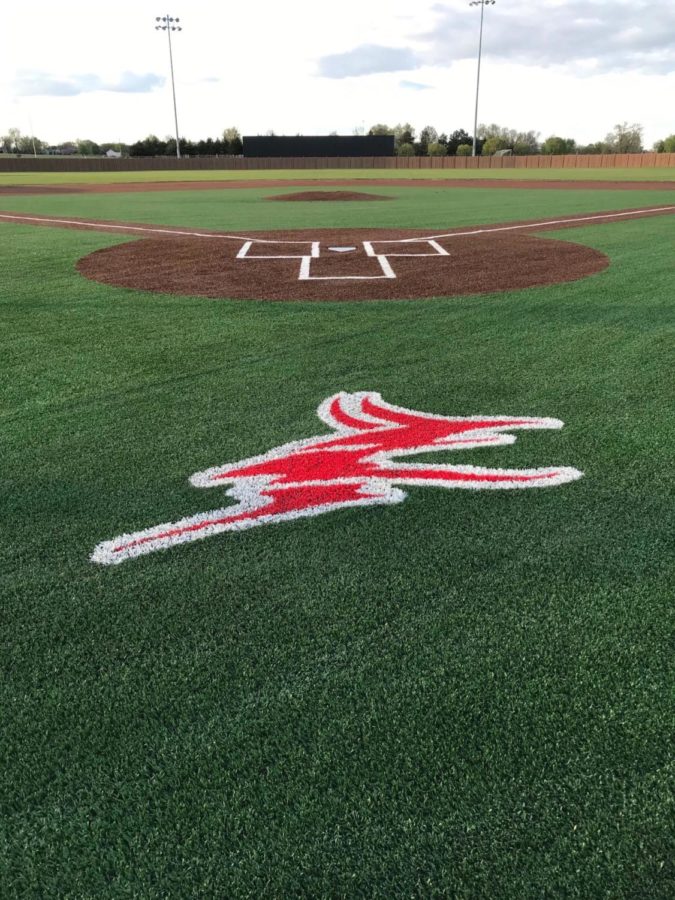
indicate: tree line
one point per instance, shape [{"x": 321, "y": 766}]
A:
[
  {"x": 490, "y": 139},
  {"x": 229, "y": 143}
]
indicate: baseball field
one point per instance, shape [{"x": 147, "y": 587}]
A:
[{"x": 337, "y": 523}]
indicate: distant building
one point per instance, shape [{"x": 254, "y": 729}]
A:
[
  {"x": 66, "y": 149},
  {"x": 113, "y": 154}
]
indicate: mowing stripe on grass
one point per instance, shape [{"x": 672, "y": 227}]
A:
[{"x": 84, "y": 223}]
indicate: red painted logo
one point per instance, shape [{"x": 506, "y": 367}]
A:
[{"x": 358, "y": 464}]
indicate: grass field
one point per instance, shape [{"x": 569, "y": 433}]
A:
[
  {"x": 468, "y": 694},
  {"x": 646, "y": 174}
]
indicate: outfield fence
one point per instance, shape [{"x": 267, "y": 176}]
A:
[{"x": 230, "y": 163}]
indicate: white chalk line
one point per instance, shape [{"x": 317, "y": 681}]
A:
[
  {"x": 83, "y": 223},
  {"x": 305, "y": 273},
  {"x": 616, "y": 215}
]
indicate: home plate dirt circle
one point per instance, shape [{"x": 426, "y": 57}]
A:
[{"x": 341, "y": 264}]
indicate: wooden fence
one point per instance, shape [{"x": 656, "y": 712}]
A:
[{"x": 140, "y": 164}]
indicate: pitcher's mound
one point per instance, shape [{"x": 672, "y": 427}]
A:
[{"x": 316, "y": 196}]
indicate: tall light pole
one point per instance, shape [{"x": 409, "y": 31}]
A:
[
  {"x": 482, "y": 4},
  {"x": 171, "y": 24}
]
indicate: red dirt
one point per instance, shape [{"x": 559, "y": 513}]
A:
[
  {"x": 327, "y": 196},
  {"x": 211, "y": 268},
  {"x": 344, "y": 264},
  {"x": 509, "y": 184}
]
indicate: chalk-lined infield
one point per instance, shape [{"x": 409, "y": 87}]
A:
[
  {"x": 492, "y": 229},
  {"x": 357, "y": 464},
  {"x": 379, "y": 267},
  {"x": 305, "y": 270},
  {"x": 345, "y": 264}
]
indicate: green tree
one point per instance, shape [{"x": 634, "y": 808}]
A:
[
  {"x": 456, "y": 138},
  {"x": 28, "y": 143},
  {"x": 428, "y": 135},
  {"x": 11, "y": 140},
  {"x": 187, "y": 148},
  {"x": 501, "y": 138},
  {"x": 405, "y": 149},
  {"x": 558, "y": 146},
  {"x": 436, "y": 149},
  {"x": 625, "y": 138},
  {"x": 464, "y": 150},
  {"x": 87, "y": 148},
  {"x": 525, "y": 143},
  {"x": 235, "y": 145},
  {"x": 594, "y": 149},
  {"x": 404, "y": 134},
  {"x": 667, "y": 145},
  {"x": 380, "y": 129},
  {"x": 501, "y": 133},
  {"x": 150, "y": 146},
  {"x": 494, "y": 143}
]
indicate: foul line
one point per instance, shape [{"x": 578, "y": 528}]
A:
[
  {"x": 83, "y": 223},
  {"x": 616, "y": 215}
]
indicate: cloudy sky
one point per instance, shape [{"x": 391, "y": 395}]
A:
[{"x": 568, "y": 67}]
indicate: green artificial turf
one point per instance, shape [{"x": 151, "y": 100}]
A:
[
  {"x": 248, "y": 209},
  {"x": 111, "y": 177},
  {"x": 466, "y": 695}
]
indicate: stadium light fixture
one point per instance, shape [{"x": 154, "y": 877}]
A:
[
  {"x": 168, "y": 23},
  {"x": 482, "y": 4}
]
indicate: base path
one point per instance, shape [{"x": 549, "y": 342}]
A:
[{"x": 341, "y": 264}]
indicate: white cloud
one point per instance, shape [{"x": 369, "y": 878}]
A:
[
  {"x": 415, "y": 86},
  {"x": 617, "y": 37},
  {"x": 566, "y": 66},
  {"x": 368, "y": 59},
  {"x": 30, "y": 84}
]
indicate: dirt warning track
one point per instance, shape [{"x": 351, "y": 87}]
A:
[{"x": 341, "y": 264}]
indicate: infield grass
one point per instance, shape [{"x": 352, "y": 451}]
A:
[
  {"x": 58, "y": 178},
  {"x": 464, "y": 695},
  {"x": 247, "y": 208}
]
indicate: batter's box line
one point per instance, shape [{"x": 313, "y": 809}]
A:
[
  {"x": 306, "y": 260},
  {"x": 438, "y": 250},
  {"x": 305, "y": 274},
  {"x": 314, "y": 252}
]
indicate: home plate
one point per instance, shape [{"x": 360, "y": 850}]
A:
[{"x": 339, "y": 264}]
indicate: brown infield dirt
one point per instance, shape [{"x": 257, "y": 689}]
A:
[
  {"x": 340, "y": 264},
  {"x": 438, "y": 183},
  {"x": 343, "y": 271}
]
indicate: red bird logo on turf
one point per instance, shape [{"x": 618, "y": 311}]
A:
[{"x": 358, "y": 464}]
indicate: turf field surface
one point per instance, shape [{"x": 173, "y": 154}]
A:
[
  {"x": 319, "y": 175},
  {"x": 466, "y": 694}
]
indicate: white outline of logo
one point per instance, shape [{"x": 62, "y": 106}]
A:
[{"x": 357, "y": 464}]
